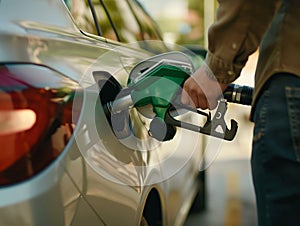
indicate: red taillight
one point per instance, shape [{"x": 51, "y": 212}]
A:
[{"x": 35, "y": 119}]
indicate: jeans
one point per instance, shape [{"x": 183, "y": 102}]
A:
[{"x": 275, "y": 159}]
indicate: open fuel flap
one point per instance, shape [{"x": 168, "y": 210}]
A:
[{"x": 110, "y": 90}]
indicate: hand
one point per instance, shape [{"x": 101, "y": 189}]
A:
[{"x": 202, "y": 91}]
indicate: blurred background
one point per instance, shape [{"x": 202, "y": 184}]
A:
[{"x": 183, "y": 22}]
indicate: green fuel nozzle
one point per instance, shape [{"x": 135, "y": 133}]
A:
[{"x": 158, "y": 82}]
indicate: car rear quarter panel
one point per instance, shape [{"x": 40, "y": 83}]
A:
[{"x": 42, "y": 32}]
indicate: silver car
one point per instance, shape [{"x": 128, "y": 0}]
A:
[{"x": 62, "y": 161}]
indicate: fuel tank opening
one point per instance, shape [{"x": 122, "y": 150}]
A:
[{"x": 110, "y": 88}]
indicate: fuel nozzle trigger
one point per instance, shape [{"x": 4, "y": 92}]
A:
[
  {"x": 217, "y": 126},
  {"x": 214, "y": 127}
]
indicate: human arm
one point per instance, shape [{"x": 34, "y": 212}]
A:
[{"x": 236, "y": 34}]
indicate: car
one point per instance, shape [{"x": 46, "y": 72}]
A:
[{"x": 63, "y": 161}]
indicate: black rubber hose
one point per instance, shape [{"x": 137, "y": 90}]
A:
[{"x": 239, "y": 94}]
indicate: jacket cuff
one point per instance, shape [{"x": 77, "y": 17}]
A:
[{"x": 223, "y": 71}]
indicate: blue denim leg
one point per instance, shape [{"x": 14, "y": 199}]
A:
[{"x": 275, "y": 157}]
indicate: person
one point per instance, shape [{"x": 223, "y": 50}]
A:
[{"x": 272, "y": 26}]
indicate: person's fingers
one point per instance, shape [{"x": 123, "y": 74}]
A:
[
  {"x": 193, "y": 95},
  {"x": 198, "y": 98},
  {"x": 185, "y": 99},
  {"x": 186, "y": 93},
  {"x": 202, "y": 91}
]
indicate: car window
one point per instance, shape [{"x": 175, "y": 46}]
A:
[
  {"x": 124, "y": 21},
  {"x": 82, "y": 15},
  {"x": 148, "y": 27},
  {"x": 120, "y": 20},
  {"x": 104, "y": 23}
]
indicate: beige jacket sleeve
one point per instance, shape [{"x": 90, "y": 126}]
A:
[{"x": 237, "y": 32}]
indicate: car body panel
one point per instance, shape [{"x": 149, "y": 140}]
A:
[{"x": 72, "y": 190}]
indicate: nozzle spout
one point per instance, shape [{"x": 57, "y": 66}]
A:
[{"x": 120, "y": 104}]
